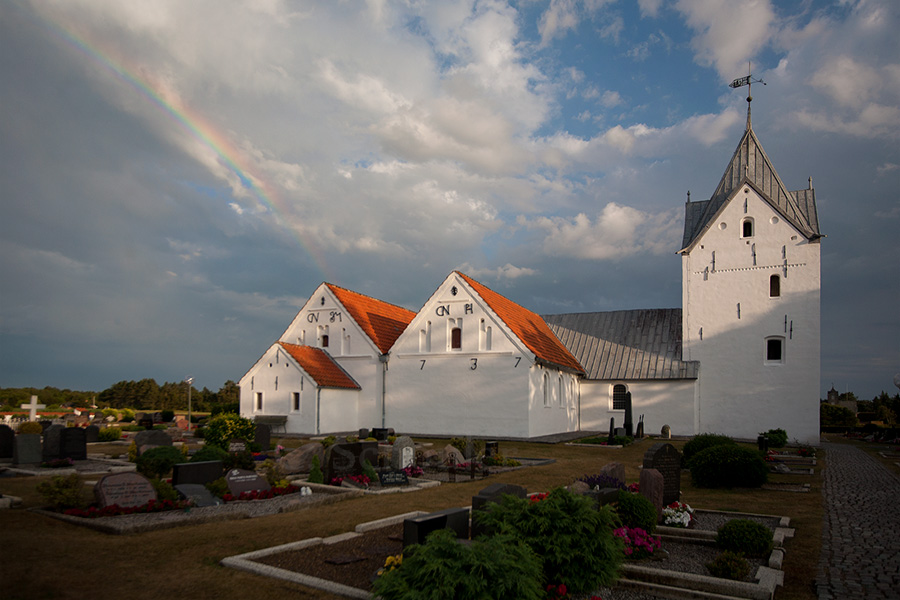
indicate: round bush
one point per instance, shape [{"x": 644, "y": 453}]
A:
[
  {"x": 636, "y": 511},
  {"x": 777, "y": 438},
  {"x": 745, "y": 536},
  {"x": 728, "y": 466},
  {"x": 155, "y": 463},
  {"x": 729, "y": 565},
  {"x": 30, "y": 427},
  {"x": 209, "y": 453},
  {"x": 702, "y": 442},
  {"x": 222, "y": 428}
]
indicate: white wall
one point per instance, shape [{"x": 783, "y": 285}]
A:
[
  {"x": 741, "y": 393},
  {"x": 662, "y": 402}
]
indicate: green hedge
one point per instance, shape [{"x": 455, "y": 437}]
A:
[{"x": 729, "y": 466}]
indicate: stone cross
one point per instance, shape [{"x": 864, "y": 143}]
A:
[{"x": 33, "y": 408}]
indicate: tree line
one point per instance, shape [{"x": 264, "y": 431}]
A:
[{"x": 145, "y": 394}]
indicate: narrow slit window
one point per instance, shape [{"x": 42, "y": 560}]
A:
[
  {"x": 295, "y": 401},
  {"x": 259, "y": 399}
]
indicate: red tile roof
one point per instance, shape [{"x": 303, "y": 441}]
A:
[
  {"x": 320, "y": 366},
  {"x": 528, "y": 327},
  {"x": 381, "y": 321}
]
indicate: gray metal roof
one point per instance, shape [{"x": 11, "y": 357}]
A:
[
  {"x": 751, "y": 165},
  {"x": 626, "y": 344}
]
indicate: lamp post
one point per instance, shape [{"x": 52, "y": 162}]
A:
[{"x": 189, "y": 381}]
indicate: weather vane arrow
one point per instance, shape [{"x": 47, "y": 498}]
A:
[{"x": 748, "y": 81}]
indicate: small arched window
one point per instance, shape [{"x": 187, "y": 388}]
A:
[
  {"x": 747, "y": 228},
  {"x": 456, "y": 338},
  {"x": 774, "y": 286},
  {"x": 618, "y": 399}
]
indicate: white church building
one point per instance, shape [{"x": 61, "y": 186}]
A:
[{"x": 740, "y": 357}]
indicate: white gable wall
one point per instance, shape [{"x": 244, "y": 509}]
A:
[
  {"x": 489, "y": 386},
  {"x": 729, "y": 315},
  {"x": 348, "y": 345}
]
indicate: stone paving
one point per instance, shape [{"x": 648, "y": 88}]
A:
[{"x": 861, "y": 530}]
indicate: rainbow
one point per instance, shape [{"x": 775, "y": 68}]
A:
[{"x": 228, "y": 154}]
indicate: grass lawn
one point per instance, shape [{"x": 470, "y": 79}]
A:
[{"x": 46, "y": 558}]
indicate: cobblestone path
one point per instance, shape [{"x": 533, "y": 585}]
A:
[{"x": 861, "y": 530}]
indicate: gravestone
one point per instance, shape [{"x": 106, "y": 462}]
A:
[
  {"x": 197, "y": 472},
  {"x": 146, "y": 422},
  {"x": 300, "y": 460},
  {"x": 263, "y": 437},
  {"x": 50, "y": 450},
  {"x": 124, "y": 489},
  {"x": 7, "y": 441},
  {"x": 639, "y": 432},
  {"x": 73, "y": 443},
  {"x": 403, "y": 453},
  {"x": 236, "y": 446},
  {"x": 27, "y": 449},
  {"x": 491, "y": 449},
  {"x": 612, "y": 431},
  {"x": 615, "y": 470},
  {"x": 666, "y": 459},
  {"x": 380, "y": 434},
  {"x": 392, "y": 478},
  {"x": 33, "y": 407},
  {"x": 198, "y": 494},
  {"x": 493, "y": 493},
  {"x": 91, "y": 434},
  {"x": 652, "y": 488},
  {"x": 452, "y": 456},
  {"x": 244, "y": 480},
  {"x": 363, "y": 433},
  {"x": 620, "y": 432},
  {"x": 349, "y": 458},
  {"x": 416, "y": 529},
  {"x": 44, "y": 425},
  {"x": 151, "y": 438},
  {"x": 629, "y": 419},
  {"x": 666, "y": 432}
]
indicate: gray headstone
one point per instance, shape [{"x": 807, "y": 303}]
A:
[
  {"x": 7, "y": 441},
  {"x": 666, "y": 432},
  {"x": 124, "y": 489},
  {"x": 73, "y": 443},
  {"x": 263, "y": 436},
  {"x": 666, "y": 459},
  {"x": 616, "y": 470},
  {"x": 343, "y": 460},
  {"x": 493, "y": 493},
  {"x": 151, "y": 438},
  {"x": 403, "y": 453},
  {"x": 363, "y": 433},
  {"x": 300, "y": 460},
  {"x": 92, "y": 434},
  {"x": 416, "y": 529},
  {"x": 50, "y": 450},
  {"x": 45, "y": 425},
  {"x": 198, "y": 494},
  {"x": 451, "y": 456},
  {"x": 27, "y": 449},
  {"x": 200, "y": 473},
  {"x": 244, "y": 480},
  {"x": 620, "y": 431},
  {"x": 652, "y": 488}
]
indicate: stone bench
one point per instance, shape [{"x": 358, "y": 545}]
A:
[{"x": 273, "y": 421}]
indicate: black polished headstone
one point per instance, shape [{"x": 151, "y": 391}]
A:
[
  {"x": 349, "y": 458},
  {"x": 73, "y": 443},
  {"x": 50, "y": 449},
  {"x": 92, "y": 434},
  {"x": 263, "y": 437},
  {"x": 201, "y": 473},
  {"x": 244, "y": 480},
  {"x": 7, "y": 441},
  {"x": 416, "y": 529},
  {"x": 612, "y": 431},
  {"x": 629, "y": 422},
  {"x": 198, "y": 494}
]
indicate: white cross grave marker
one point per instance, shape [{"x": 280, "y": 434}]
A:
[{"x": 33, "y": 408}]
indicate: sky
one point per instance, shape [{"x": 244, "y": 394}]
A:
[{"x": 177, "y": 177}]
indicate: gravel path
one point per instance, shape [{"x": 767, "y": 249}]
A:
[{"x": 860, "y": 540}]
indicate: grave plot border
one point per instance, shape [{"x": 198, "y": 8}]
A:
[{"x": 139, "y": 523}]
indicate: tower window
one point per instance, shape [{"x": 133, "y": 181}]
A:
[
  {"x": 259, "y": 397},
  {"x": 455, "y": 338},
  {"x": 774, "y": 286},
  {"x": 295, "y": 401},
  {"x": 324, "y": 340},
  {"x": 618, "y": 399},
  {"x": 747, "y": 228},
  {"x": 775, "y": 350}
]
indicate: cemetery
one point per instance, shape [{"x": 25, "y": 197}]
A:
[{"x": 330, "y": 537}]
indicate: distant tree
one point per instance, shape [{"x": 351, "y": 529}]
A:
[{"x": 831, "y": 415}]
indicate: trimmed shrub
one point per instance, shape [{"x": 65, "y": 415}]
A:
[
  {"x": 636, "y": 511},
  {"x": 745, "y": 536},
  {"x": 315, "y": 471},
  {"x": 701, "y": 442},
  {"x": 63, "y": 491},
  {"x": 155, "y": 463},
  {"x": 164, "y": 490},
  {"x": 223, "y": 428},
  {"x": 30, "y": 427},
  {"x": 210, "y": 453},
  {"x": 500, "y": 568},
  {"x": 573, "y": 540},
  {"x": 728, "y": 466},
  {"x": 777, "y": 438},
  {"x": 460, "y": 444},
  {"x": 218, "y": 488},
  {"x": 109, "y": 434},
  {"x": 729, "y": 565}
]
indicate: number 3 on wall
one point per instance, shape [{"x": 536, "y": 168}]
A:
[{"x": 474, "y": 364}]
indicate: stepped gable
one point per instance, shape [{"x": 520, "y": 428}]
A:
[
  {"x": 528, "y": 327},
  {"x": 626, "y": 344},
  {"x": 381, "y": 321},
  {"x": 752, "y": 166},
  {"x": 319, "y": 365}
]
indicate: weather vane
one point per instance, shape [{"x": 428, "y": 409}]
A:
[{"x": 748, "y": 81}]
